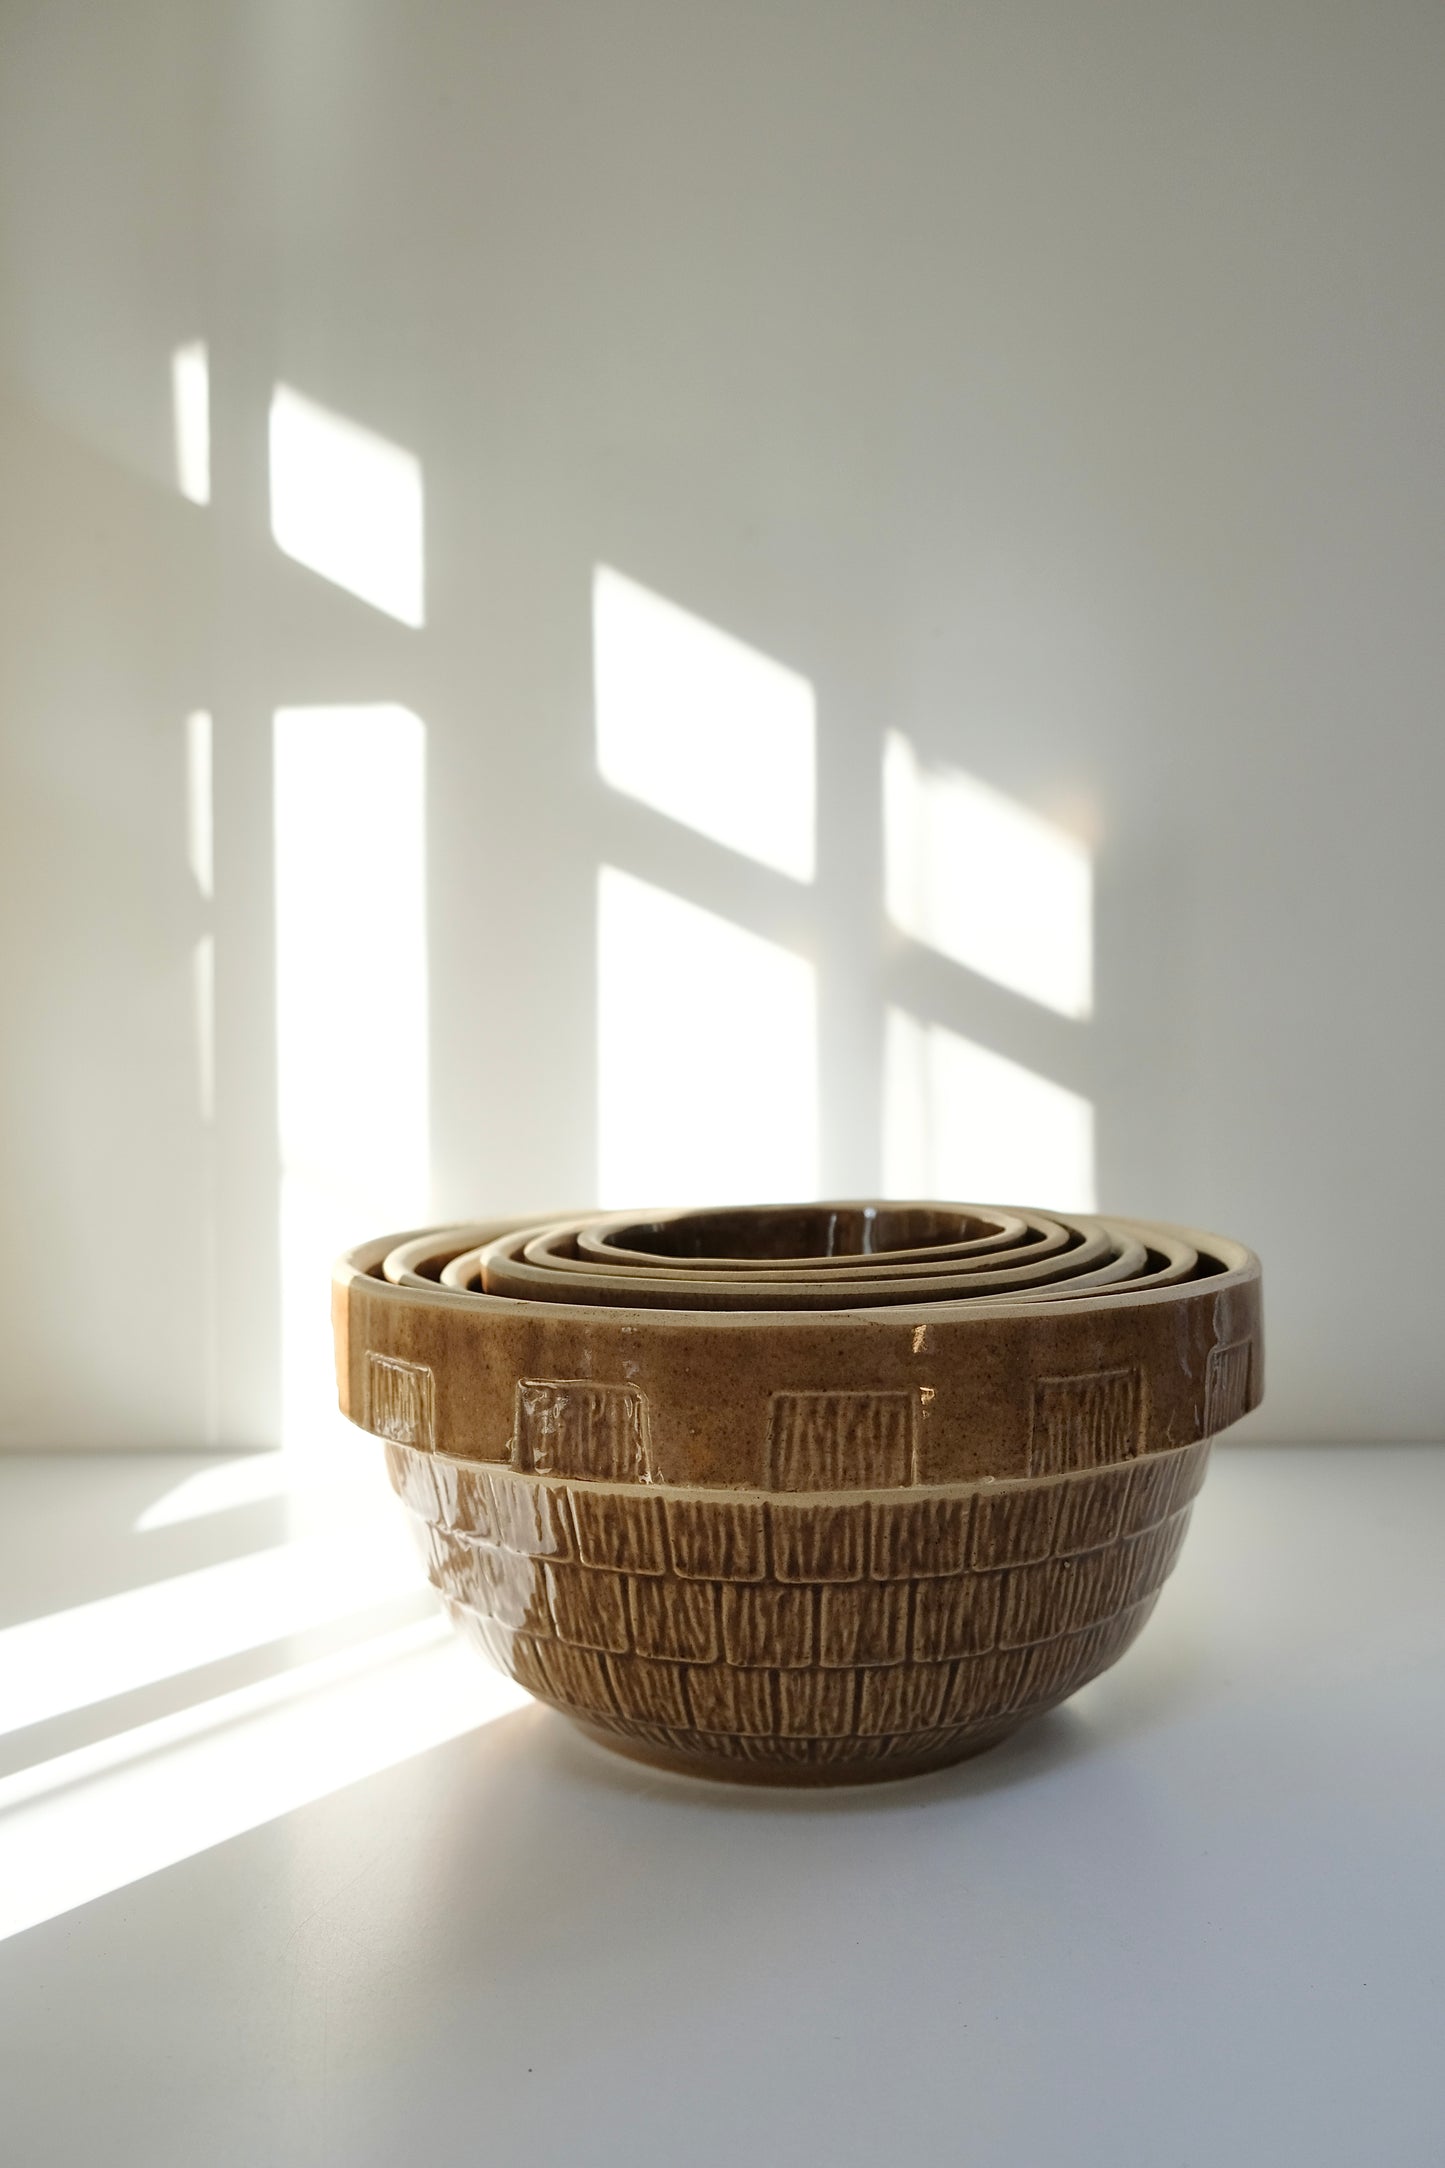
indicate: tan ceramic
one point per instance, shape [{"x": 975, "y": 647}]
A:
[{"x": 792, "y": 1525}]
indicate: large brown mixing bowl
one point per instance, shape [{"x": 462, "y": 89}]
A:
[{"x": 865, "y": 1528}]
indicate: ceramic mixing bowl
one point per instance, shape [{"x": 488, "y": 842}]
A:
[{"x": 746, "y": 1500}]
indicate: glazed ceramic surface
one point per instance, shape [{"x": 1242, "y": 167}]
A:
[{"x": 800, "y": 1494}]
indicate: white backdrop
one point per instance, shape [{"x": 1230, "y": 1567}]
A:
[{"x": 488, "y": 497}]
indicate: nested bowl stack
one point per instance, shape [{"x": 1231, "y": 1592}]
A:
[{"x": 800, "y": 1493}]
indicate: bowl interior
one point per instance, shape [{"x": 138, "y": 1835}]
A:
[{"x": 798, "y": 1231}]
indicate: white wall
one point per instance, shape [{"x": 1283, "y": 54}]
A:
[{"x": 1057, "y": 386}]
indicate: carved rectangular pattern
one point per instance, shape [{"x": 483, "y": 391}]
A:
[
  {"x": 573, "y": 1427},
  {"x": 1084, "y": 1422},
  {"x": 1226, "y": 1386},
  {"x": 840, "y": 1441},
  {"x": 399, "y": 1401}
]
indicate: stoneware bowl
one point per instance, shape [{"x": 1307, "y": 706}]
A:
[{"x": 800, "y": 1493}]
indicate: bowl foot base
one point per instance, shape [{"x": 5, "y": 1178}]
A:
[{"x": 801, "y": 1774}]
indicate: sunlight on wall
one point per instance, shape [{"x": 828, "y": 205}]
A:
[
  {"x": 348, "y": 504},
  {"x": 92, "y": 1821},
  {"x": 200, "y": 816},
  {"x": 960, "y": 1121},
  {"x": 200, "y": 856},
  {"x": 191, "y": 406},
  {"x": 707, "y": 1055},
  {"x": 203, "y": 989},
  {"x": 702, "y": 727},
  {"x": 986, "y": 882},
  {"x": 351, "y": 1013}
]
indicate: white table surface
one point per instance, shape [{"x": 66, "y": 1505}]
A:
[{"x": 302, "y": 1885}]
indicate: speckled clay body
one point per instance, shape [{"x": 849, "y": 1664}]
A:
[{"x": 804, "y": 1494}]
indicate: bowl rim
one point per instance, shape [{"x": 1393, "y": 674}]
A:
[{"x": 365, "y": 1264}]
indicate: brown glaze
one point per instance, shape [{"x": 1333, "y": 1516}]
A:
[
  {"x": 819, "y": 1545},
  {"x": 797, "y": 1238}
]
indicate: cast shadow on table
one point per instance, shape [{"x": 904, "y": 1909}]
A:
[
  {"x": 564, "y": 1758},
  {"x": 1037, "y": 1749},
  {"x": 127, "y": 1522}
]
